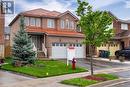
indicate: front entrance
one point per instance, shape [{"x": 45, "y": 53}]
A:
[
  {"x": 122, "y": 45},
  {"x": 38, "y": 41}
]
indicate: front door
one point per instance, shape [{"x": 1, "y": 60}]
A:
[
  {"x": 37, "y": 40},
  {"x": 122, "y": 45}
]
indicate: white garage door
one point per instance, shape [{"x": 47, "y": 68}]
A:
[
  {"x": 59, "y": 50},
  {"x": 79, "y": 51}
]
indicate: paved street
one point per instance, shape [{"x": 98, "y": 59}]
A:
[
  {"x": 123, "y": 74},
  {"x": 100, "y": 64},
  {"x": 125, "y": 84},
  {"x": 6, "y": 78}
]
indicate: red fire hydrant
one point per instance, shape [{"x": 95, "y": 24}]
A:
[{"x": 74, "y": 63}]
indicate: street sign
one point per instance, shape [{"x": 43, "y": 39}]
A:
[{"x": 70, "y": 54}]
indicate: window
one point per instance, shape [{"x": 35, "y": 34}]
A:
[
  {"x": 27, "y": 21},
  {"x": 71, "y": 24},
  {"x": 7, "y": 37},
  {"x": 124, "y": 26},
  {"x": 111, "y": 26},
  {"x": 50, "y": 23},
  {"x": 38, "y": 22},
  {"x": 32, "y": 21},
  {"x": 67, "y": 23},
  {"x": 53, "y": 44},
  {"x": 62, "y": 24}
]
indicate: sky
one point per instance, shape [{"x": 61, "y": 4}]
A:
[{"x": 120, "y": 8}]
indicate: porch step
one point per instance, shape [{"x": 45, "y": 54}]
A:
[{"x": 44, "y": 58}]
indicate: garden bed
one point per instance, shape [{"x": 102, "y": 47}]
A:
[{"x": 89, "y": 80}]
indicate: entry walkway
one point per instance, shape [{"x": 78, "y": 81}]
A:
[{"x": 54, "y": 81}]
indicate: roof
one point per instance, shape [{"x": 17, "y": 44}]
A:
[
  {"x": 124, "y": 21},
  {"x": 42, "y": 13},
  {"x": 123, "y": 34},
  {"x": 120, "y": 20},
  {"x": 55, "y": 32}
]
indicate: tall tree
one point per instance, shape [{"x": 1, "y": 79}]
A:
[
  {"x": 94, "y": 25},
  {"x": 22, "y": 47}
]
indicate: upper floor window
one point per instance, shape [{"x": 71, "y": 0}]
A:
[
  {"x": 50, "y": 23},
  {"x": 62, "y": 23},
  {"x": 38, "y": 22},
  {"x": 27, "y": 21},
  {"x": 71, "y": 24},
  {"x": 124, "y": 26},
  {"x": 111, "y": 26},
  {"x": 7, "y": 37},
  {"x": 67, "y": 24},
  {"x": 32, "y": 21}
]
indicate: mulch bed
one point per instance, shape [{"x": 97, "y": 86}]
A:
[{"x": 90, "y": 77}]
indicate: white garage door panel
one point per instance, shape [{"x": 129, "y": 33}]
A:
[
  {"x": 59, "y": 52},
  {"x": 79, "y": 52}
]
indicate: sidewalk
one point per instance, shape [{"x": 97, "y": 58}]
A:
[
  {"x": 112, "y": 61},
  {"x": 54, "y": 81}
]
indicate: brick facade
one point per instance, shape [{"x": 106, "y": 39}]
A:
[
  {"x": 2, "y": 19},
  {"x": 49, "y": 35}
]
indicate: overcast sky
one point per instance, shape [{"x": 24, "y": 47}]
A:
[{"x": 120, "y": 8}]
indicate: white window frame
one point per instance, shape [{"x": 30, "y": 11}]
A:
[
  {"x": 51, "y": 23},
  {"x": 27, "y": 21},
  {"x": 67, "y": 24},
  {"x": 38, "y": 22},
  {"x": 124, "y": 26},
  {"x": 111, "y": 26},
  {"x": 62, "y": 24},
  {"x": 7, "y": 37},
  {"x": 32, "y": 21},
  {"x": 72, "y": 24}
]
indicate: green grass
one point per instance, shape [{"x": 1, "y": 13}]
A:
[
  {"x": 107, "y": 76},
  {"x": 43, "y": 68},
  {"x": 82, "y": 82},
  {"x": 79, "y": 82}
]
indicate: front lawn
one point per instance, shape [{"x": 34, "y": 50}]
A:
[
  {"x": 83, "y": 81},
  {"x": 43, "y": 68}
]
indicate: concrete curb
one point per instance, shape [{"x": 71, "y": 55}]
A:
[
  {"x": 112, "y": 61},
  {"x": 109, "y": 83}
]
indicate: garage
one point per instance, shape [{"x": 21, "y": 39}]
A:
[{"x": 59, "y": 50}]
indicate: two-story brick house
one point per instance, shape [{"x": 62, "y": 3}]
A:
[
  {"x": 51, "y": 32},
  {"x": 121, "y": 37},
  {"x": 2, "y": 19}
]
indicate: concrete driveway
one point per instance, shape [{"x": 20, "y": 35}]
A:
[{"x": 7, "y": 77}]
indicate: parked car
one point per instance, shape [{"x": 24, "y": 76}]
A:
[{"x": 123, "y": 53}]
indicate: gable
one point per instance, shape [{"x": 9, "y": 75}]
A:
[{"x": 68, "y": 14}]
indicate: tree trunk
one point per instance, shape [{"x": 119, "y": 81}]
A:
[{"x": 91, "y": 58}]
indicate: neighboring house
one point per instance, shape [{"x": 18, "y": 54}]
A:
[
  {"x": 121, "y": 37},
  {"x": 51, "y": 32},
  {"x": 2, "y": 19},
  {"x": 7, "y": 42}
]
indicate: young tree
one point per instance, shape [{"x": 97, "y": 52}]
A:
[
  {"x": 94, "y": 25},
  {"x": 22, "y": 48}
]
